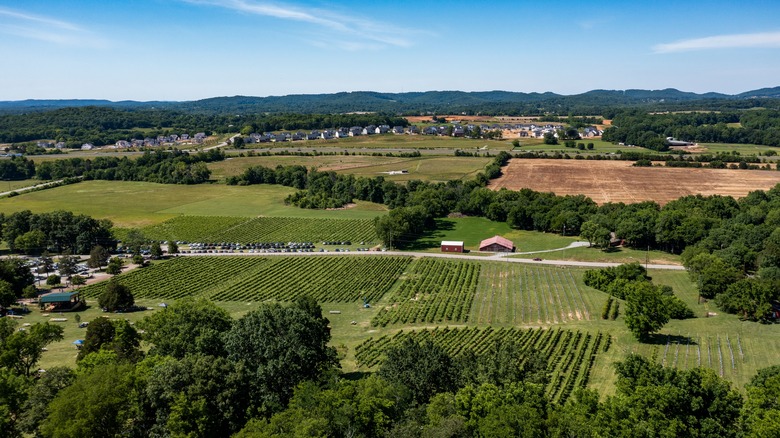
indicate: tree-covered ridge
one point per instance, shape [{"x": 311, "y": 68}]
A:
[{"x": 440, "y": 102}]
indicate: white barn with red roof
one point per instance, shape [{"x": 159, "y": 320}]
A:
[{"x": 497, "y": 244}]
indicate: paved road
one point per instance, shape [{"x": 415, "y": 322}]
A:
[
  {"x": 223, "y": 144},
  {"x": 494, "y": 257},
  {"x": 28, "y": 188}
]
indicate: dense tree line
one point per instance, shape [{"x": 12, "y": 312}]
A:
[
  {"x": 165, "y": 167},
  {"x": 651, "y": 129},
  {"x": 57, "y": 231},
  {"x": 270, "y": 373},
  {"x": 16, "y": 168}
]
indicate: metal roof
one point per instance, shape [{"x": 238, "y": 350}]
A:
[
  {"x": 503, "y": 241},
  {"x": 57, "y": 297}
]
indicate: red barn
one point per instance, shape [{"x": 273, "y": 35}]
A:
[
  {"x": 497, "y": 244},
  {"x": 451, "y": 246}
]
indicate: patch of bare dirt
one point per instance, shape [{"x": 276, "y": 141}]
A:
[{"x": 618, "y": 181}]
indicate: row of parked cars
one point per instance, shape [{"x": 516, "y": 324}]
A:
[{"x": 250, "y": 246}]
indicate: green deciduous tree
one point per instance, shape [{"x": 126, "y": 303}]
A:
[
  {"x": 655, "y": 401},
  {"x": 116, "y": 297},
  {"x": 41, "y": 394},
  {"x": 750, "y": 298},
  {"x": 423, "y": 367},
  {"x": 711, "y": 274},
  {"x": 761, "y": 413},
  {"x": 197, "y": 396},
  {"x": 31, "y": 242},
  {"x": 98, "y": 257},
  {"x": 187, "y": 327},
  {"x": 97, "y": 405},
  {"x": 21, "y": 350},
  {"x": 13, "y": 394},
  {"x": 280, "y": 346},
  {"x": 646, "y": 310}
]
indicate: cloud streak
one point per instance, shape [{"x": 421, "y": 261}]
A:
[
  {"x": 368, "y": 33},
  {"x": 37, "y": 27},
  {"x": 745, "y": 40}
]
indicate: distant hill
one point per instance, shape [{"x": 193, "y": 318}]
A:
[{"x": 441, "y": 102}]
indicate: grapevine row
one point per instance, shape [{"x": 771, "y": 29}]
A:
[
  {"x": 570, "y": 355},
  {"x": 434, "y": 291}
]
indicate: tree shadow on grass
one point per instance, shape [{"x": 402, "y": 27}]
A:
[
  {"x": 431, "y": 238},
  {"x": 662, "y": 339}
]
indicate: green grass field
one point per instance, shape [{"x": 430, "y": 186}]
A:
[
  {"x": 599, "y": 147},
  {"x": 614, "y": 255},
  {"x": 7, "y": 186},
  {"x": 473, "y": 230},
  {"x": 426, "y": 168},
  {"x": 743, "y": 149},
  {"x": 137, "y": 204}
]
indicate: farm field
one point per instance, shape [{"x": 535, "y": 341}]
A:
[
  {"x": 599, "y": 147},
  {"x": 570, "y": 355},
  {"x": 426, "y": 168},
  {"x": 481, "y": 295},
  {"x": 249, "y": 278},
  {"x": 261, "y": 229},
  {"x": 431, "y": 291},
  {"x": 743, "y": 149},
  {"x": 138, "y": 204},
  {"x": 513, "y": 294},
  {"x": 618, "y": 181}
]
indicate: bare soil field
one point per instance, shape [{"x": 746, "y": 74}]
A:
[{"x": 618, "y": 181}]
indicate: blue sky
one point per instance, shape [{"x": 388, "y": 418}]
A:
[{"x": 193, "y": 49}]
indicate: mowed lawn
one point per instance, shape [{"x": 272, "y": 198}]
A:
[
  {"x": 472, "y": 230},
  {"x": 426, "y": 168},
  {"x": 137, "y": 204}
]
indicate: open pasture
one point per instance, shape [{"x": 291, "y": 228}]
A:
[
  {"x": 742, "y": 148},
  {"x": 280, "y": 278},
  {"x": 138, "y": 204},
  {"x": 570, "y": 355},
  {"x": 425, "y": 168},
  {"x": 618, "y": 181},
  {"x": 599, "y": 147},
  {"x": 261, "y": 229}
]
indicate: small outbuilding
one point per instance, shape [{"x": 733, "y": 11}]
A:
[
  {"x": 60, "y": 301},
  {"x": 497, "y": 244},
  {"x": 451, "y": 246}
]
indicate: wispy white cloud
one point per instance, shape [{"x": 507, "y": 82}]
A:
[
  {"x": 51, "y": 30},
  {"x": 745, "y": 40},
  {"x": 368, "y": 33}
]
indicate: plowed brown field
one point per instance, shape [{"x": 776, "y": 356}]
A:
[{"x": 618, "y": 181}]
